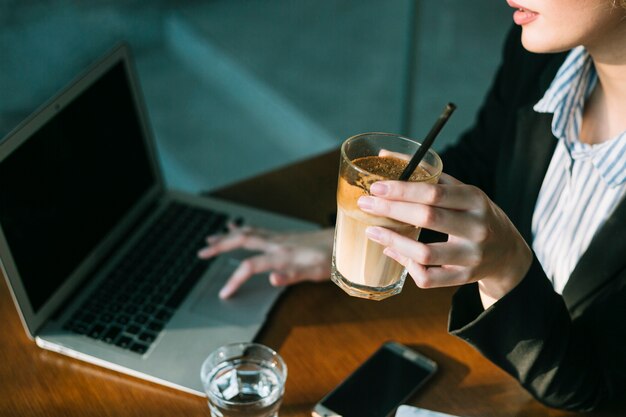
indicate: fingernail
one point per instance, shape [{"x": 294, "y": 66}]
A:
[
  {"x": 204, "y": 253},
  {"x": 366, "y": 203},
  {"x": 273, "y": 280},
  {"x": 379, "y": 188},
  {"x": 391, "y": 253},
  {"x": 224, "y": 293},
  {"x": 373, "y": 233},
  {"x": 276, "y": 279}
]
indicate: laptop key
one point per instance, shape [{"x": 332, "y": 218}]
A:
[
  {"x": 96, "y": 331},
  {"x": 139, "y": 299},
  {"x": 124, "y": 342},
  {"x": 139, "y": 348},
  {"x": 111, "y": 334},
  {"x": 163, "y": 314},
  {"x": 155, "y": 326},
  {"x": 130, "y": 309},
  {"x": 157, "y": 299},
  {"x": 122, "y": 298},
  {"x": 79, "y": 328},
  {"x": 106, "y": 317},
  {"x": 141, "y": 319},
  {"x": 149, "y": 308},
  {"x": 114, "y": 307},
  {"x": 147, "y": 337},
  {"x": 133, "y": 329}
]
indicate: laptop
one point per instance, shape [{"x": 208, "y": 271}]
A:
[{"x": 100, "y": 256}]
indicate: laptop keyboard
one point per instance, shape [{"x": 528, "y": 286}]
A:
[{"x": 139, "y": 296}]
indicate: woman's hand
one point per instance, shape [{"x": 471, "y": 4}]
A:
[
  {"x": 289, "y": 257},
  {"x": 483, "y": 244}
]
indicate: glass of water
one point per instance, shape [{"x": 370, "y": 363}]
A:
[{"x": 244, "y": 380}]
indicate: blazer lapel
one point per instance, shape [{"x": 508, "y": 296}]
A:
[
  {"x": 533, "y": 147},
  {"x": 601, "y": 262},
  {"x": 532, "y": 152}
]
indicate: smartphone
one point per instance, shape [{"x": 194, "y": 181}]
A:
[{"x": 383, "y": 382}]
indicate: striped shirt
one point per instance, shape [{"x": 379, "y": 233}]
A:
[{"x": 584, "y": 183}]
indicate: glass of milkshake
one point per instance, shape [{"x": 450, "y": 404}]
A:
[{"x": 359, "y": 266}]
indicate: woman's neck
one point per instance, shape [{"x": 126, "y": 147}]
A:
[{"x": 604, "y": 116}]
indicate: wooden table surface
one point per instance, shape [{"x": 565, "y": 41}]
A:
[{"x": 321, "y": 333}]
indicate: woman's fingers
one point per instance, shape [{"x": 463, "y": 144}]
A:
[
  {"x": 284, "y": 271},
  {"x": 240, "y": 239},
  {"x": 429, "y": 276},
  {"x": 451, "y": 222},
  {"x": 250, "y": 267},
  {"x": 452, "y": 207},
  {"x": 315, "y": 273},
  {"x": 451, "y": 196},
  {"x": 288, "y": 257},
  {"x": 441, "y": 253},
  {"x": 437, "y": 276}
]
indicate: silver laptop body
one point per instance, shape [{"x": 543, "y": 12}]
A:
[{"x": 49, "y": 285}]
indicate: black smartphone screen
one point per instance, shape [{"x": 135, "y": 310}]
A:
[{"x": 378, "y": 386}]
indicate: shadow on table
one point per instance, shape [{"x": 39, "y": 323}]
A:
[
  {"x": 319, "y": 304},
  {"x": 450, "y": 373}
]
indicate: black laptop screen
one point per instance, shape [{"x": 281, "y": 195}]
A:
[{"x": 64, "y": 188}]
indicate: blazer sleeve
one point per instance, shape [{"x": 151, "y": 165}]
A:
[{"x": 571, "y": 363}]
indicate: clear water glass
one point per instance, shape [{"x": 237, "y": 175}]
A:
[{"x": 244, "y": 379}]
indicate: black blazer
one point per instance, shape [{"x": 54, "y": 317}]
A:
[{"x": 568, "y": 351}]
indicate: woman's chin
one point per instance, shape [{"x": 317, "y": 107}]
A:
[{"x": 534, "y": 41}]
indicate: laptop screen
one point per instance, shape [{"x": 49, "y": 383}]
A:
[{"x": 67, "y": 186}]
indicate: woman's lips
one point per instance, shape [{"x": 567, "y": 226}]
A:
[{"x": 522, "y": 16}]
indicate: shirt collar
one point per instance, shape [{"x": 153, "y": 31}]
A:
[{"x": 565, "y": 98}]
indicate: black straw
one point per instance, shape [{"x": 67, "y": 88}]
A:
[{"x": 430, "y": 138}]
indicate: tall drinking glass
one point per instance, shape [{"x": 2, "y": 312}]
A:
[{"x": 359, "y": 266}]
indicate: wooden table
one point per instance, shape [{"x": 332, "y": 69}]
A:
[{"x": 322, "y": 334}]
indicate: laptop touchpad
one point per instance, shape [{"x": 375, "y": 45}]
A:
[{"x": 249, "y": 305}]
